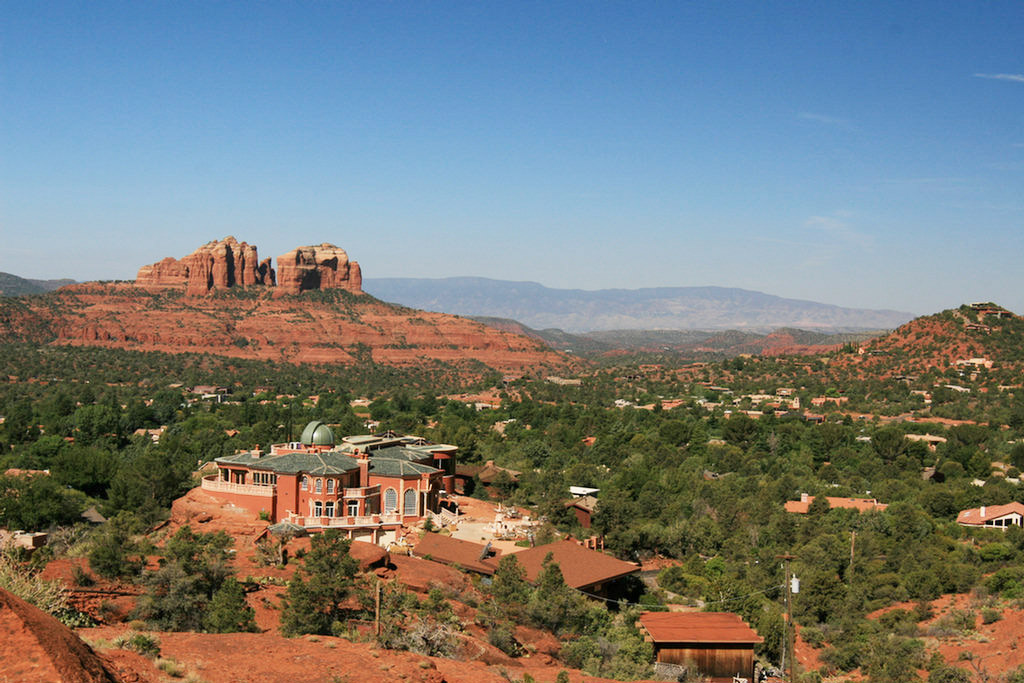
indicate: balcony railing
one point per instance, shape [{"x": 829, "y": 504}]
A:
[
  {"x": 364, "y": 492},
  {"x": 216, "y": 485},
  {"x": 346, "y": 521}
]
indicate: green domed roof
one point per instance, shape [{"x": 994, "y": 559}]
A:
[{"x": 317, "y": 433}]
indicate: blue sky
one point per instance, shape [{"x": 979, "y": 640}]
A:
[{"x": 866, "y": 154}]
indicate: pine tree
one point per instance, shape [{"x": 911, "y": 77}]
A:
[
  {"x": 228, "y": 612},
  {"x": 313, "y": 601}
]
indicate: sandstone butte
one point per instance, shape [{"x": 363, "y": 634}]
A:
[
  {"x": 226, "y": 263},
  {"x": 221, "y": 299}
]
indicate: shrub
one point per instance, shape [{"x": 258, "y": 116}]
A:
[
  {"x": 80, "y": 577},
  {"x": 990, "y": 615},
  {"x": 145, "y": 645}
]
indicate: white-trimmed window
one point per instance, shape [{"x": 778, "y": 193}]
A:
[
  {"x": 330, "y": 486},
  {"x": 353, "y": 508},
  {"x": 319, "y": 485},
  {"x": 409, "y": 506},
  {"x": 329, "y": 508},
  {"x": 305, "y": 483},
  {"x": 390, "y": 501},
  {"x": 318, "y": 509}
]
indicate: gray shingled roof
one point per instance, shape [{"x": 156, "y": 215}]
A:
[
  {"x": 410, "y": 453},
  {"x": 293, "y": 463},
  {"x": 398, "y": 467}
]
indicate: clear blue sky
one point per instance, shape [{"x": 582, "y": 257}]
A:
[{"x": 866, "y": 154}]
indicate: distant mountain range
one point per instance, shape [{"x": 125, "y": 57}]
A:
[
  {"x": 12, "y": 285},
  {"x": 657, "y": 308},
  {"x": 691, "y": 344}
]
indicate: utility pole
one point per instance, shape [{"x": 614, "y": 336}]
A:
[
  {"x": 376, "y": 611},
  {"x": 853, "y": 541},
  {"x": 788, "y": 644}
]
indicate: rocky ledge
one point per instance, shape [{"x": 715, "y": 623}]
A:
[{"x": 226, "y": 263}]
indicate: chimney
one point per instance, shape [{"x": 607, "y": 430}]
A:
[
  {"x": 983, "y": 512},
  {"x": 364, "y": 472},
  {"x": 803, "y": 497}
]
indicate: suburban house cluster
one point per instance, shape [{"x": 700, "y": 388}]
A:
[{"x": 367, "y": 485}]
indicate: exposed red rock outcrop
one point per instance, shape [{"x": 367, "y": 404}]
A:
[
  {"x": 258, "y": 325},
  {"x": 324, "y": 266},
  {"x": 36, "y": 647},
  {"x": 152, "y": 315},
  {"x": 225, "y": 263},
  {"x": 216, "y": 265}
]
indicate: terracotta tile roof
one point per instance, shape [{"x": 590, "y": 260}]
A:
[
  {"x": 698, "y": 627},
  {"x": 585, "y": 503},
  {"x": 581, "y": 567},
  {"x": 859, "y": 504},
  {"x": 974, "y": 516},
  {"x": 448, "y": 550}
]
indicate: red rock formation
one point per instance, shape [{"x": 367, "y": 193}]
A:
[
  {"x": 36, "y": 647},
  {"x": 264, "y": 326},
  {"x": 216, "y": 265},
  {"x": 324, "y": 266}
]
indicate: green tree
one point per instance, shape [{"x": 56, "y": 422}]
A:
[
  {"x": 554, "y": 605},
  {"x": 37, "y": 502},
  {"x": 509, "y": 588},
  {"x": 114, "y": 552},
  {"x": 891, "y": 659},
  {"x": 228, "y": 612},
  {"x": 313, "y": 601},
  {"x": 193, "y": 569}
]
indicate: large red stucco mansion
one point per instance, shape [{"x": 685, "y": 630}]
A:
[{"x": 367, "y": 485}]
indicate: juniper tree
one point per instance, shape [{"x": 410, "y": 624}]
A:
[{"x": 313, "y": 601}]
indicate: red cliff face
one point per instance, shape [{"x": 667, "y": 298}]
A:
[
  {"x": 216, "y": 265},
  {"x": 168, "y": 309},
  {"x": 259, "y": 325},
  {"x": 229, "y": 263},
  {"x": 324, "y": 266}
]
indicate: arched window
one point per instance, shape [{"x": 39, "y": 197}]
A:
[
  {"x": 319, "y": 485},
  {"x": 330, "y": 486},
  {"x": 305, "y": 483},
  {"x": 318, "y": 509},
  {"x": 329, "y": 508},
  {"x": 409, "y": 507},
  {"x": 390, "y": 501},
  {"x": 353, "y": 508}
]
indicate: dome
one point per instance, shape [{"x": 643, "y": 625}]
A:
[{"x": 317, "y": 433}]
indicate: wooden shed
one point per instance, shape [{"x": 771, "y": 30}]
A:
[{"x": 719, "y": 645}]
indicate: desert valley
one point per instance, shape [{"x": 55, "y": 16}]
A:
[{"x": 230, "y": 471}]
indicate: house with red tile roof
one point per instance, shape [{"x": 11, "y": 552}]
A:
[
  {"x": 993, "y": 516},
  {"x": 584, "y": 569},
  {"x": 859, "y": 504},
  {"x": 467, "y": 555},
  {"x": 718, "y": 645}
]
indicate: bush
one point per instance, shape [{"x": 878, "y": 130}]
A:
[
  {"x": 990, "y": 615},
  {"x": 813, "y": 637},
  {"x": 80, "y": 577},
  {"x": 145, "y": 645}
]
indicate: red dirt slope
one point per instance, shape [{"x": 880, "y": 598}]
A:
[
  {"x": 36, "y": 647},
  {"x": 313, "y": 327}
]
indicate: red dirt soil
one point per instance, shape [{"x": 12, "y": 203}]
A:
[
  {"x": 36, "y": 647},
  {"x": 247, "y": 657}
]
